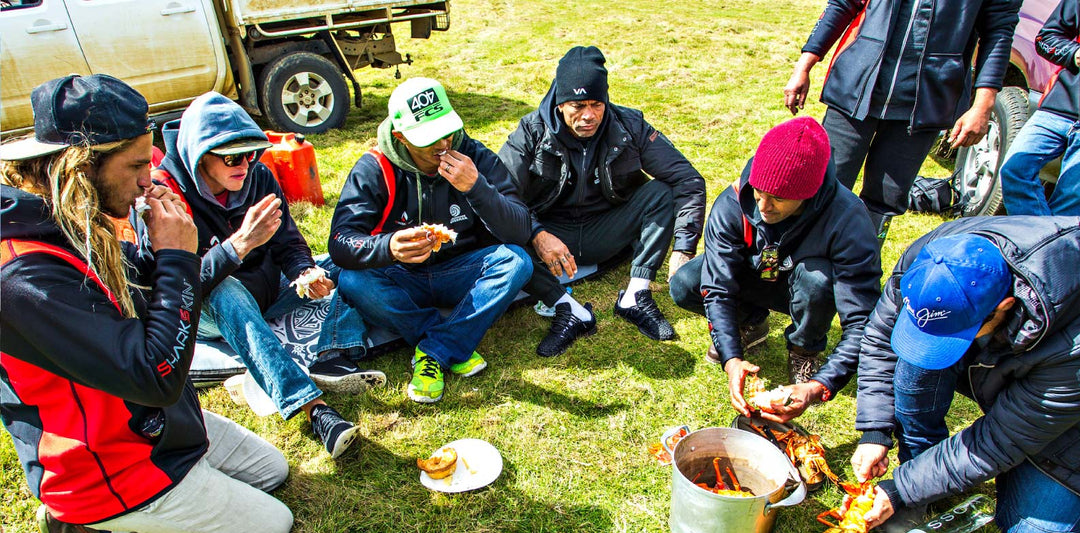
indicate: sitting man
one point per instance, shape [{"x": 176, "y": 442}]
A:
[
  {"x": 251, "y": 250},
  {"x": 989, "y": 308},
  {"x": 1051, "y": 131},
  {"x": 580, "y": 163},
  {"x": 785, "y": 237},
  {"x": 398, "y": 270},
  {"x": 94, "y": 366}
]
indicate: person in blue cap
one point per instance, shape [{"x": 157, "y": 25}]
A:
[{"x": 990, "y": 308}]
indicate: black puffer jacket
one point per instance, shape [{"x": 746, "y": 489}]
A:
[
  {"x": 1028, "y": 386},
  {"x": 540, "y": 165},
  {"x": 946, "y": 33},
  {"x": 1056, "y": 42},
  {"x": 835, "y": 226}
]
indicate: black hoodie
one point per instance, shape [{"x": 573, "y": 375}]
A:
[{"x": 103, "y": 416}]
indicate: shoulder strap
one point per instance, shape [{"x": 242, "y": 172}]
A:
[
  {"x": 748, "y": 230},
  {"x": 391, "y": 186},
  {"x": 163, "y": 176},
  {"x": 13, "y": 248}
]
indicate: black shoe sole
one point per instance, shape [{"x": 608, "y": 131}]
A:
[{"x": 587, "y": 333}]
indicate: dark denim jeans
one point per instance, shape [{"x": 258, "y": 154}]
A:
[
  {"x": 1029, "y": 501},
  {"x": 805, "y": 293},
  {"x": 477, "y": 286},
  {"x": 1043, "y": 138}
]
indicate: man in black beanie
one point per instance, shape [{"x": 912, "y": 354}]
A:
[{"x": 583, "y": 166}]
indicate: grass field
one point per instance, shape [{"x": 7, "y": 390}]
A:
[{"x": 572, "y": 430}]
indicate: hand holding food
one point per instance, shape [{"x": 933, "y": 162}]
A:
[
  {"x": 313, "y": 283},
  {"x": 441, "y": 234},
  {"x": 765, "y": 400}
]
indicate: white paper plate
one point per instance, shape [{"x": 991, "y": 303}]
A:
[{"x": 484, "y": 466}]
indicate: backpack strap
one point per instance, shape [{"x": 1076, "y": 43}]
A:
[
  {"x": 11, "y": 249},
  {"x": 391, "y": 186},
  {"x": 161, "y": 175},
  {"x": 748, "y": 230}
]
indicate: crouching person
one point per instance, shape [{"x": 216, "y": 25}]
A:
[
  {"x": 94, "y": 366},
  {"x": 785, "y": 237},
  {"x": 252, "y": 251},
  {"x": 399, "y": 273}
]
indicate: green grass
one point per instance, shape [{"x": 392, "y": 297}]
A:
[{"x": 572, "y": 430}]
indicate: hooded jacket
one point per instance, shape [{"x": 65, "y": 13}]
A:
[
  {"x": 540, "y": 163},
  {"x": 102, "y": 414},
  {"x": 489, "y": 213},
  {"x": 210, "y": 121},
  {"x": 834, "y": 226},
  {"x": 1027, "y": 381},
  {"x": 1057, "y": 43},
  {"x": 944, "y": 37}
]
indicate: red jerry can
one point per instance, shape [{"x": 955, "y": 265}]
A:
[{"x": 292, "y": 160}]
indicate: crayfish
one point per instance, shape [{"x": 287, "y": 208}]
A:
[
  {"x": 736, "y": 490},
  {"x": 805, "y": 452},
  {"x": 854, "y": 519}
]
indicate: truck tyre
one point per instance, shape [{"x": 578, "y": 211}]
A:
[
  {"x": 303, "y": 92},
  {"x": 977, "y": 166}
]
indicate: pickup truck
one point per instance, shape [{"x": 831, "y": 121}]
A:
[{"x": 287, "y": 61}]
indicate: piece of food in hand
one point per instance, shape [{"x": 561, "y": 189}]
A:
[
  {"x": 303, "y": 282},
  {"x": 759, "y": 398},
  {"x": 441, "y": 233},
  {"x": 441, "y": 464},
  {"x": 141, "y": 207}
]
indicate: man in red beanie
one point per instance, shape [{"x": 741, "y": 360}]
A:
[{"x": 785, "y": 237}]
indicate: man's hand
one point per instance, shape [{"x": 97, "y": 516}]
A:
[
  {"x": 412, "y": 245},
  {"x": 870, "y": 461},
  {"x": 881, "y": 511},
  {"x": 321, "y": 287},
  {"x": 165, "y": 194},
  {"x": 554, "y": 253},
  {"x": 803, "y": 395},
  {"x": 170, "y": 227},
  {"x": 737, "y": 370},
  {"x": 458, "y": 169},
  {"x": 799, "y": 84},
  {"x": 260, "y": 224},
  {"x": 677, "y": 260},
  {"x": 972, "y": 126}
]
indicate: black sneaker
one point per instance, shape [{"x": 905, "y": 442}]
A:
[
  {"x": 565, "y": 327},
  {"x": 338, "y": 374},
  {"x": 336, "y": 433},
  {"x": 802, "y": 365},
  {"x": 753, "y": 334},
  {"x": 646, "y": 316}
]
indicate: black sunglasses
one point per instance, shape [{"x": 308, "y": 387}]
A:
[{"x": 233, "y": 160}]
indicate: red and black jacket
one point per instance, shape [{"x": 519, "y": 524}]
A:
[{"x": 100, "y": 409}]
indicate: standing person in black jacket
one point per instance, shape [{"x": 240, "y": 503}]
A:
[
  {"x": 94, "y": 356},
  {"x": 785, "y": 237},
  {"x": 988, "y": 307},
  {"x": 1051, "y": 131},
  {"x": 398, "y": 269},
  {"x": 582, "y": 165},
  {"x": 252, "y": 251},
  {"x": 901, "y": 73}
]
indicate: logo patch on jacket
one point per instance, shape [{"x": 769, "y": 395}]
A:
[
  {"x": 455, "y": 214},
  {"x": 404, "y": 220}
]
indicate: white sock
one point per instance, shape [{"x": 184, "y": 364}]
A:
[
  {"x": 632, "y": 288},
  {"x": 579, "y": 310}
]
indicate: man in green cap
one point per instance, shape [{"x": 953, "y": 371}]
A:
[{"x": 427, "y": 220}]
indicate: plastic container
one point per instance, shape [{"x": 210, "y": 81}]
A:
[{"x": 292, "y": 160}]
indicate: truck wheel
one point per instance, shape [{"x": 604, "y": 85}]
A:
[
  {"x": 304, "y": 92},
  {"x": 977, "y": 166}
]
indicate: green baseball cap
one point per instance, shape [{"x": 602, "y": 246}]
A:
[{"x": 420, "y": 110}]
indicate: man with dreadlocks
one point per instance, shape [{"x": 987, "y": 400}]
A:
[{"x": 96, "y": 339}]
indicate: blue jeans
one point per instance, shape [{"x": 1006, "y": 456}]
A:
[
  {"x": 805, "y": 293},
  {"x": 1043, "y": 138},
  {"x": 478, "y": 286},
  {"x": 230, "y": 312},
  {"x": 1031, "y": 502}
]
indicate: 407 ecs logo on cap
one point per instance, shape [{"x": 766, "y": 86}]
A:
[{"x": 425, "y": 104}]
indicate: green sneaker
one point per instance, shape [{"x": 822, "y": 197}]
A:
[
  {"x": 471, "y": 367},
  {"x": 427, "y": 380}
]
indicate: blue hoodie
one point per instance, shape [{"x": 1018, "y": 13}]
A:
[{"x": 210, "y": 121}]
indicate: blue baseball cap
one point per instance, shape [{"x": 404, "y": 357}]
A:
[{"x": 949, "y": 290}]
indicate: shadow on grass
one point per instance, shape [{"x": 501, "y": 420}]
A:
[{"x": 569, "y": 404}]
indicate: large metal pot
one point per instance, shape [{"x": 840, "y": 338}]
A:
[{"x": 758, "y": 465}]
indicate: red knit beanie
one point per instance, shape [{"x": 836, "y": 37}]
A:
[{"x": 790, "y": 161}]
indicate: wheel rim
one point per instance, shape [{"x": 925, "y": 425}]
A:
[
  {"x": 980, "y": 164},
  {"x": 307, "y": 99}
]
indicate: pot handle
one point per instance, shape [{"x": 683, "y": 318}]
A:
[{"x": 794, "y": 498}]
